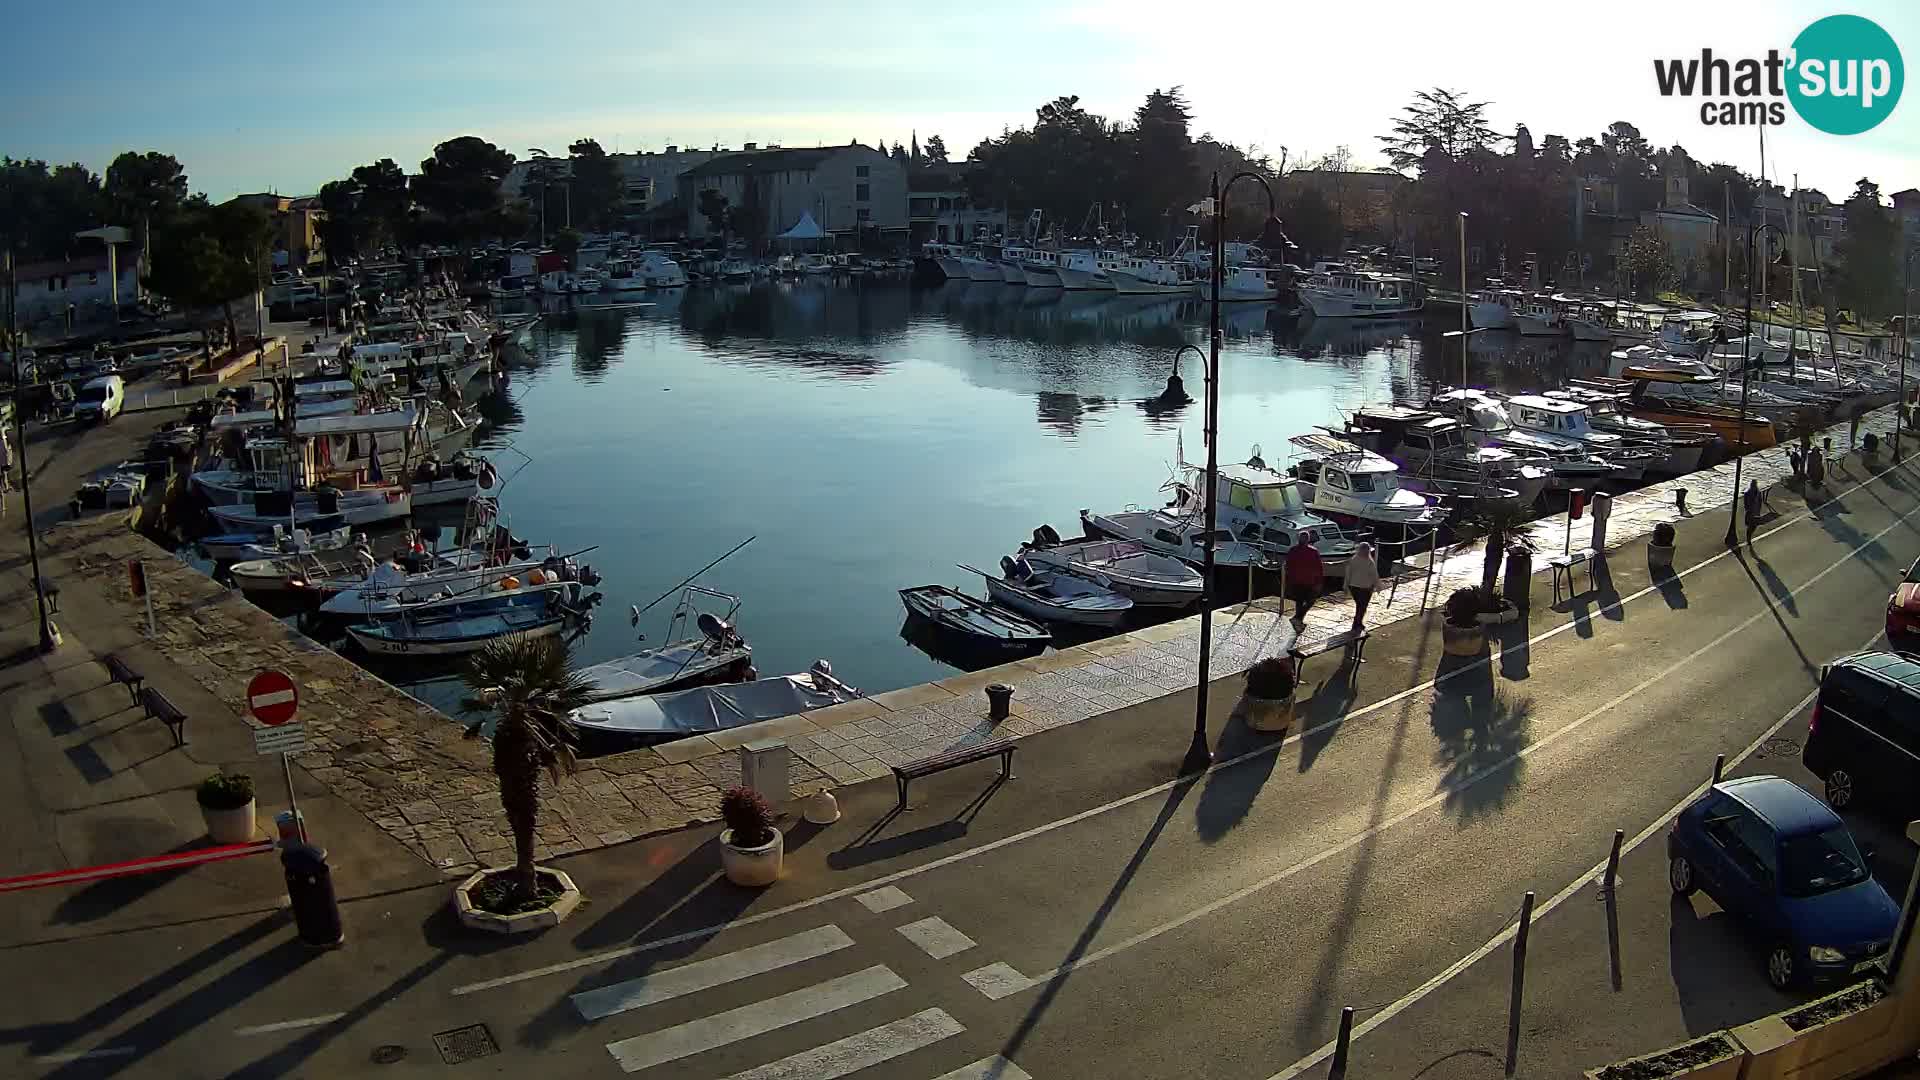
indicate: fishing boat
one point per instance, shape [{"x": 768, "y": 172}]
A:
[
  {"x": 1182, "y": 535},
  {"x": 1484, "y": 418},
  {"x": 1144, "y": 276},
  {"x": 1242, "y": 284},
  {"x": 1147, "y": 578},
  {"x": 1539, "y": 316},
  {"x": 1349, "y": 484},
  {"x": 972, "y": 620},
  {"x": 1683, "y": 447},
  {"x": 1334, "y": 291},
  {"x": 233, "y": 547},
  {"x": 1563, "y": 419},
  {"x": 1257, "y": 504},
  {"x": 1039, "y": 269},
  {"x": 1053, "y": 595},
  {"x": 1687, "y": 333},
  {"x": 717, "y": 653},
  {"x": 650, "y": 719},
  {"x": 465, "y": 628},
  {"x": 1492, "y": 308},
  {"x": 1666, "y": 396},
  {"x": 1083, "y": 270},
  {"x": 306, "y": 510}
]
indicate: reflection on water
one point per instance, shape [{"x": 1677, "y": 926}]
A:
[{"x": 872, "y": 434}]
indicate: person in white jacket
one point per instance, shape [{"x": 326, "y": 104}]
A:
[{"x": 1363, "y": 575}]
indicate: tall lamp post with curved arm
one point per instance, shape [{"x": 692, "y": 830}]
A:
[
  {"x": 1754, "y": 229},
  {"x": 1199, "y": 754}
]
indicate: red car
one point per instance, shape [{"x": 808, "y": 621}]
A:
[{"x": 1903, "y": 608}]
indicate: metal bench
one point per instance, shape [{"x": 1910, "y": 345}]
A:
[
  {"x": 1353, "y": 640},
  {"x": 119, "y": 671},
  {"x": 961, "y": 755},
  {"x": 159, "y": 708},
  {"x": 1564, "y": 567}
]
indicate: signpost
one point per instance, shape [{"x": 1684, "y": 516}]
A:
[{"x": 273, "y": 700}]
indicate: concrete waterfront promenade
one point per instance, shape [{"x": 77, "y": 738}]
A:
[{"x": 408, "y": 770}]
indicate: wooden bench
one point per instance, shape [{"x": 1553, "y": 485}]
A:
[
  {"x": 118, "y": 671},
  {"x": 1564, "y": 567},
  {"x": 960, "y": 755},
  {"x": 159, "y": 708},
  {"x": 1353, "y": 640}
]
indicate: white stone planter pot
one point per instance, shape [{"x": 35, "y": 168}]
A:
[
  {"x": 1659, "y": 558},
  {"x": 753, "y": 866},
  {"x": 233, "y": 826},
  {"x": 520, "y": 922},
  {"x": 1267, "y": 714}
]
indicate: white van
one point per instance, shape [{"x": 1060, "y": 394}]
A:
[{"x": 100, "y": 399}]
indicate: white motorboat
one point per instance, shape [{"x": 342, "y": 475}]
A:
[
  {"x": 1429, "y": 446},
  {"x": 1078, "y": 270},
  {"x": 1539, "y": 316},
  {"x": 1687, "y": 333},
  {"x": 1492, "y": 308},
  {"x": 1182, "y": 536},
  {"x": 1486, "y": 421},
  {"x": 1683, "y": 449},
  {"x": 387, "y": 589},
  {"x": 235, "y": 547},
  {"x": 1259, "y": 505},
  {"x": 1346, "y": 483},
  {"x": 1245, "y": 284},
  {"x": 1012, "y": 264},
  {"x": 1149, "y": 579},
  {"x": 1143, "y": 276},
  {"x": 947, "y": 258},
  {"x": 718, "y": 654},
  {"x": 646, "y": 720},
  {"x": 978, "y": 267},
  {"x": 1560, "y": 418},
  {"x": 1038, "y": 269},
  {"x": 465, "y": 628},
  {"x": 463, "y": 478},
  {"x": 1054, "y": 595},
  {"x": 976, "y": 622},
  {"x": 362, "y": 507},
  {"x": 1337, "y": 292},
  {"x": 1589, "y": 321}
]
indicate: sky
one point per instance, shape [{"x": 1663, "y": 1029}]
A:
[{"x": 254, "y": 97}]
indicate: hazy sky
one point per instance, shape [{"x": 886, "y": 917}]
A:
[{"x": 272, "y": 96}]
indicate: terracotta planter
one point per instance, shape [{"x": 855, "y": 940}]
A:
[
  {"x": 1659, "y": 557},
  {"x": 1267, "y": 714},
  {"x": 233, "y": 826},
  {"x": 1462, "y": 640},
  {"x": 753, "y": 866}
]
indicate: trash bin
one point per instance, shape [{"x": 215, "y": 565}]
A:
[
  {"x": 1602, "y": 510},
  {"x": 1518, "y": 586},
  {"x": 287, "y": 825},
  {"x": 316, "y": 913}
]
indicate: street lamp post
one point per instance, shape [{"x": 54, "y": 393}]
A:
[
  {"x": 1199, "y": 754},
  {"x": 1906, "y": 348},
  {"x": 1464, "y": 328},
  {"x": 1754, "y": 229},
  {"x": 49, "y": 635}
]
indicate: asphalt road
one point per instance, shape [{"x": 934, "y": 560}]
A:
[{"x": 1091, "y": 918}]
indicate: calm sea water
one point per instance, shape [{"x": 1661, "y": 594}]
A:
[{"x": 871, "y": 436}]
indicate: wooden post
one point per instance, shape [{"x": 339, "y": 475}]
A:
[{"x": 1519, "y": 979}]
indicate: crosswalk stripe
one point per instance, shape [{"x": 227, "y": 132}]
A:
[
  {"x": 884, "y": 899},
  {"x": 856, "y": 1052},
  {"x": 936, "y": 937},
  {"x": 998, "y": 980},
  {"x": 989, "y": 1068},
  {"x": 658, "y": 986},
  {"x": 711, "y": 1032}
]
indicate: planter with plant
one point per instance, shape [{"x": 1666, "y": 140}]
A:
[
  {"x": 751, "y": 849},
  {"x": 1505, "y": 523},
  {"x": 1660, "y": 547},
  {"x": 1267, "y": 703},
  {"x": 1461, "y": 633},
  {"x": 1848, "y": 1032},
  {"x": 1710, "y": 1057},
  {"x": 529, "y": 686},
  {"x": 226, "y": 803}
]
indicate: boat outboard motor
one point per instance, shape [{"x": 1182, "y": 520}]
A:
[
  {"x": 1008, "y": 569},
  {"x": 716, "y": 629},
  {"x": 1045, "y": 536}
]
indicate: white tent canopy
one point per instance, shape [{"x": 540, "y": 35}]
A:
[{"x": 804, "y": 229}]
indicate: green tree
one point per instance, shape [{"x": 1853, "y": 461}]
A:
[
  {"x": 211, "y": 255},
  {"x": 530, "y": 686},
  {"x": 1647, "y": 262},
  {"x": 340, "y": 228},
  {"x": 598, "y": 189},
  {"x": 1868, "y": 265},
  {"x": 145, "y": 189},
  {"x": 41, "y": 207},
  {"x": 460, "y": 185},
  {"x": 935, "y": 151},
  {"x": 384, "y": 205},
  {"x": 1313, "y": 224},
  {"x": 566, "y": 243},
  {"x": 1438, "y": 119},
  {"x": 1159, "y": 155},
  {"x": 713, "y": 207}
]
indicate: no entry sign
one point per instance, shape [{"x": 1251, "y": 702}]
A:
[{"x": 271, "y": 698}]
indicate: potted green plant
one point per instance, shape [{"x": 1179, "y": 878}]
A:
[
  {"x": 1461, "y": 633},
  {"x": 226, "y": 803},
  {"x": 1660, "y": 547},
  {"x": 1267, "y": 702},
  {"x": 751, "y": 849}
]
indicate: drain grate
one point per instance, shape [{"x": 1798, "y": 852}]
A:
[{"x": 465, "y": 1044}]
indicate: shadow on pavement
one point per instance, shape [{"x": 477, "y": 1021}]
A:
[
  {"x": 1716, "y": 968},
  {"x": 1604, "y": 593},
  {"x": 1478, "y": 728},
  {"x": 105, "y": 897},
  {"x": 1229, "y": 793},
  {"x": 1516, "y": 648},
  {"x": 1324, "y": 711},
  {"x": 869, "y": 846},
  {"x": 1673, "y": 588},
  {"x": 1766, "y": 592},
  {"x": 1775, "y": 585}
]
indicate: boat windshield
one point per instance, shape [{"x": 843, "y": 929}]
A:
[
  {"x": 1277, "y": 499},
  {"x": 1362, "y": 481}
]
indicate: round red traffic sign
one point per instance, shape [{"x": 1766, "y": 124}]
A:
[{"x": 271, "y": 698}]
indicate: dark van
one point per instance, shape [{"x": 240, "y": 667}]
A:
[{"x": 1864, "y": 738}]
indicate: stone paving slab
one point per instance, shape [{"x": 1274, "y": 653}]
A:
[{"x": 410, "y": 770}]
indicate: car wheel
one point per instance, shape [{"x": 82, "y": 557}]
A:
[
  {"x": 1839, "y": 789},
  {"x": 1680, "y": 876},
  {"x": 1780, "y": 967}
]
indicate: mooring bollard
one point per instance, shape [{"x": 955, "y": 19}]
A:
[
  {"x": 1719, "y": 766},
  {"x": 1613, "y": 860},
  {"x": 999, "y": 701},
  {"x": 1519, "y": 979},
  {"x": 1341, "y": 1042}
]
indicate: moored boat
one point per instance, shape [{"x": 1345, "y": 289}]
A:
[
  {"x": 975, "y": 621},
  {"x": 1053, "y": 595}
]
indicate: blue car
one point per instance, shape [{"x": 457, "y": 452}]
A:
[{"x": 1778, "y": 860}]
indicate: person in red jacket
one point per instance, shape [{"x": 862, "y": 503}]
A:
[{"x": 1305, "y": 578}]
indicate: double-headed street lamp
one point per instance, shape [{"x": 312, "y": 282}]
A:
[
  {"x": 1906, "y": 347},
  {"x": 1754, "y": 229},
  {"x": 49, "y": 635},
  {"x": 1199, "y": 755}
]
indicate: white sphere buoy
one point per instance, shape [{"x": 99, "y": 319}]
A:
[{"x": 822, "y": 808}]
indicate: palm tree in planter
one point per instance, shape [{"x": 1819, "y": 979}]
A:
[
  {"x": 1505, "y": 522},
  {"x": 530, "y": 686}
]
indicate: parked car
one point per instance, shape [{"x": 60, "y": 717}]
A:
[
  {"x": 1864, "y": 738},
  {"x": 100, "y": 399},
  {"x": 1778, "y": 861},
  {"x": 1903, "y": 607}
]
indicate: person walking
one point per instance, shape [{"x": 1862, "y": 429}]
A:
[
  {"x": 6, "y": 469},
  {"x": 1363, "y": 576},
  {"x": 1305, "y": 577},
  {"x": 1753, "y": 499}
]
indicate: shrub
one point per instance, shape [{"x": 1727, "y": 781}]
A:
[
  {"x": 1466, "y": 603},
  {"x": 1271, "y": 679},
  {"x": 1663, "y": 534},
  {"x": 748, "y": 816},
  {"x": 226, "y": 791}
]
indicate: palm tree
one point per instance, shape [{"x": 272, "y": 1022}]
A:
[
  {"x": 1502, "y": 519},
  {"x": 531, "y": 687}
]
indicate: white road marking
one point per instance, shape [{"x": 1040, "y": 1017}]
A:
[
  {"x": 990, "y": 1068},
  {"x": 886, "y": 899},
  {"x": 1561, "y": 897},
  {"x": 998, "y": 981},
  {"x": 1437, "y": 798},
  {"x": 936, "y": 937},
  {"x": 86, "y": 1055},
  {"x": 290, "y": 1025},
  {"x": 595, "y": 959},
  {"x": 720, "y": 1029},
  {"x": 856, "y": 1052},
  {"x": 658, "y": 986}
]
